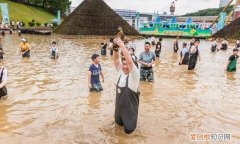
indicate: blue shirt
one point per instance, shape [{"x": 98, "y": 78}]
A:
[{"x": 95, "y": 70}]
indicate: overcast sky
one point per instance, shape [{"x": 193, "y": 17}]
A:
[{"x": 182, "y": 6}]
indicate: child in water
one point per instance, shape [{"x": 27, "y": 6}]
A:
[
  {"x": 232, "y": 63},
  {"x": 54, "y": 50},
  {"x": 184, "y": 55},
  {"x": 158, "y": 48},
  {"x": 175, "y": 44},
  {"x": 214, "y": 45},
  {"x": 95, "y": 70},
  {"x": 224, "y": 44},
  {"x": 104, "y": 47}
]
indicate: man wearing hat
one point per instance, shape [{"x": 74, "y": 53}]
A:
[{"x": 24, "y": 48}]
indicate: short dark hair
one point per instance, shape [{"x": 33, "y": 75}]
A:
[
  {"x": 184, "y": 44},
  {"x": 235, "y": 49},
  {"x": 197, "y": 40},
  {"x": 54, "y": 42},
  {"x": 160, "y": 39},
  {"x": 131, "y": 48},
  {"x": 94, "y": 56},
  {"x": 111, "y": 39},
  {"x": 147, "y": 43}
]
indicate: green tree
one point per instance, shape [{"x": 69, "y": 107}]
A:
[
  {"x": 52, "y": 5},
  {"x": 210, "y": 12},
  {"x": 62, "y": 5}
]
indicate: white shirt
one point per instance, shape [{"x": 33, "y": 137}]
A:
[
  {"x": 54, "y": 49},
  {"x": 4, "y": 77},
  {"x": 184, "y": 51},
  {"x": 133, "y": 79}
]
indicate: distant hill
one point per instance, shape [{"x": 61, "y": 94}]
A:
[
  {"x": 209, "y": 12},
  {"x": 26, "y": 13}
]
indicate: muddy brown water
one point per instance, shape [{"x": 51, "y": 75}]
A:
[{"x": 49, "y": 101}]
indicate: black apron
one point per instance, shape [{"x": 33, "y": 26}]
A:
[
  {"x": 126, "y": 107},
  {"x": 158, "y": 50},
  {"x": 224, "y": 47},
  {"x": 214, "y": 48},
  {"x": 135, "y": 60},
  {"x": 176, "y": 47},
  {"x": 193, "y": 60},
  {"x": 191, "y": 44},
  {"x": 3, "y": 90},
  {"x": 111, "y": 51},
  {"x": 238, "y": 45},
  {"x": 104, "y": 50},
  {"x": 185, "y": 59}
]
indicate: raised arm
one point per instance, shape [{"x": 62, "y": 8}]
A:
[
  {"x": 116, "y": 61},
  {"x": 125, "y": 52}
]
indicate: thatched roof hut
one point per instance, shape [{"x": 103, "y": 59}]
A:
[
  {"x": 94, "y": 17},
  {"x": 231, "y": 31}
]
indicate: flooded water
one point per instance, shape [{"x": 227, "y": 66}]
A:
[{"x": 49, "y": 101}]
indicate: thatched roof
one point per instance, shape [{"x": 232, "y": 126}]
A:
[
  {"x": 231, "y": 31},
  {"x": 94, "y": 17}
]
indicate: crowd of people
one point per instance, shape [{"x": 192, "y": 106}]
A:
[
  {"x": 131, "y": 69},
  {"x": 25, "y": 52}
]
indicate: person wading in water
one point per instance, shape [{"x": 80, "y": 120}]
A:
[
  {"x": 1, "y": 49},
  {"x": 95, "y": 70},
  {"x": 176, "y": 44},
  {"x": 232, "y": 61},
  {"x": 3, "y": 80},
  {"x": 184, "y": 55},
  {"x": 104, "y": 47},
  {"x": 214, "y": 46},
  {"x": 224, "y": 44},
  {"x": 192, "y": 42},
  {"x": 238, "y": 44},
  {"x": 158, "y": 48},
  {"x": 147, "y": 60},
  {"x": 194, "y": 55},
  {"x": 54, "y": 51},
  {"x": 110, "y": 46},
  {"x": 24, "y": 48},
  {"x": 127, "y": 94}
]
